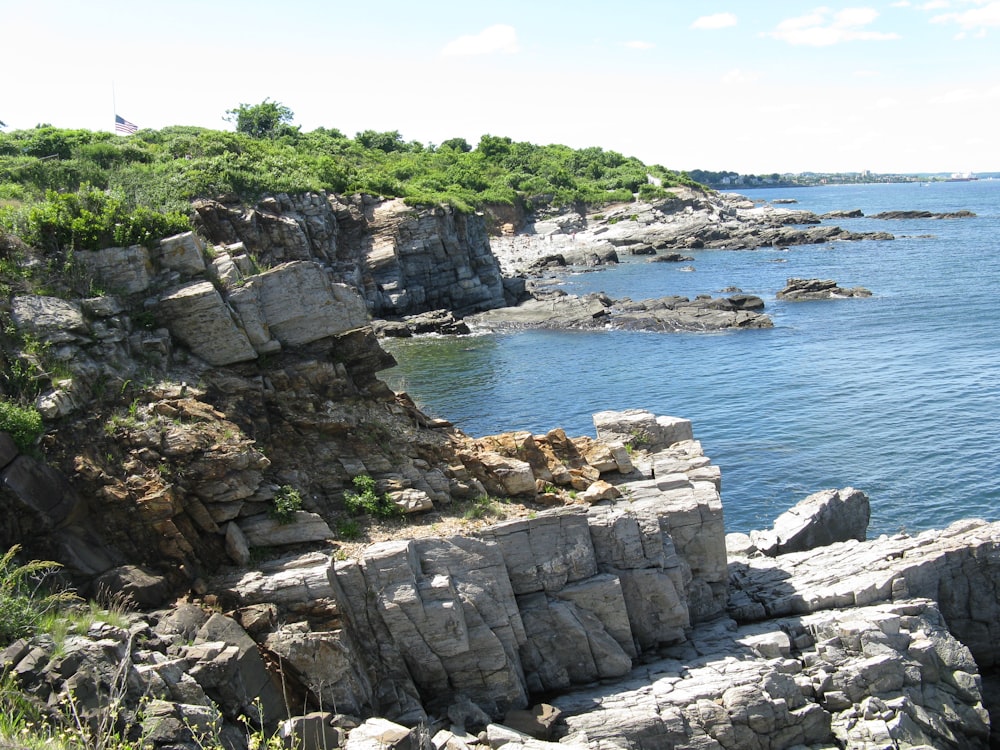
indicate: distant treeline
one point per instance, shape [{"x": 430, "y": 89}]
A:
[{"x": 60, "y": 186}]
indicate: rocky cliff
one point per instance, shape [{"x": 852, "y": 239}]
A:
[
  {"x": 401, "y": 259},
  {"x": 212, "y": 385}
]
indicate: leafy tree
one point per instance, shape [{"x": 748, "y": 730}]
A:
[
  {"x": 265, "y": 120},
  {"x": 457, "y": 144},
  {"x": 388, "y": 141}
]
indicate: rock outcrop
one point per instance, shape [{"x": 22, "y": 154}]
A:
[
  {"x": 401, "y": 259},
  {"x": 598, "y": 311},
  {"x": 689, "y": 220},
  {"x": 810, "y": 289},
  {"x": 963, "y": 214},
  {"x": 821, "y": 519}
]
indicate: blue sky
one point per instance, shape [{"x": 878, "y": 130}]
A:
[{"x": 894, "y": 86}]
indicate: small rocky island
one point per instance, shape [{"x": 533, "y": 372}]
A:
[{"x": 298, "y": 549}]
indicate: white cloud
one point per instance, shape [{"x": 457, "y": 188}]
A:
[
  {"x": 715, "y": 21},
  {"x": 963, "y": 95},
  {"x": 978, "y": 19},
  {"x": 823, "y": 28},
  {"x": 638, "y": 44},
  {"x": 493, "y": 39},
  {"x": 935, "y": 5},
  {"x": 739, "y": 76}
]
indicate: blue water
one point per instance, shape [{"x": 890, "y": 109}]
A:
[{"x": 896, "y": 394}]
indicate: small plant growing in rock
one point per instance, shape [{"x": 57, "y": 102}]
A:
[
  {"x": 285, "y": 504},
  {"x": 24, "y": 424},
  {"x": 367, "y": 500},
  {"x": 348, "y": 529}
]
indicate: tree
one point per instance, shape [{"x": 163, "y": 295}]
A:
[
  {"x": 388, "y": 141},
  {"x": 457, "y": 144},
  {"x": 265, "y": 120}
]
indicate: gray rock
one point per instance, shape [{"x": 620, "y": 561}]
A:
[
  {"x": 642, "y": 429},
  {"x": 197, "y": 315},
  {"x": 299, "y": 304},
  {"x": 49, "y": 318},
  {"x": 313, "y": 731},
  {"x": 812, "y": 289},
  {"x": 120, "y": 270},
  {"x": 182, "y": 252},
  {"x": 132, "y": 586},
  {"x": 381, "y": 734},
  {"x": 265, "y": 531},
  {"x": 822, "y": 518}
]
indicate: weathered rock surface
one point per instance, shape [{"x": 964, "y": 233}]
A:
[
  {"x": 402, "y": 260},
  {"x": 878, "y": 676},
  {"x": 599, "y": 311},
  {"x": 822, "y": 518},
  {"x": 963, "y": 214},
  {"x": 957, "y": 567},
  {"x": 688, "y": 220},
  {"x": 809, "y": 289}
]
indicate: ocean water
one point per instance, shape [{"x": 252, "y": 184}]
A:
[{"x": 897, "y": 394}]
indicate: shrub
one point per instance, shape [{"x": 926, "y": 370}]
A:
[
  {"x": 367, "y": 500},
  {"x": 23, "y": 598},
  {"x": 285, "y": 504},
  {"x": 23, "y": 423}
]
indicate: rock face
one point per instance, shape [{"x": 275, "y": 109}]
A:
[
  {"x": 402, "y": 260},
  {"x": 528, "y": 606},
  {"x": 214, "y": 381}
]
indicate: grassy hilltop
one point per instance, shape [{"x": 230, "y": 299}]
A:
[{"x": 80, "y": 189}]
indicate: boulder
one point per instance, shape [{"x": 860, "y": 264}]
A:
[
  {"x": 641, "y": 429},
  {"x": 381, "y": 734},
  {"x": 132, "y": 586},
  {"x": 300, "y": 304},
  {"x": 312, "y": 731},
  {"x": 822, "y": 518},
  {"x": 197, "y": 315},
  {"x": 264, "y": 530}
]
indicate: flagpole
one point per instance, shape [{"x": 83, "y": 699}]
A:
[{"x": 114, "y": 104}]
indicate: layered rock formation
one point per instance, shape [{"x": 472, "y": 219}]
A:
[{"x": 402, "y": 260}]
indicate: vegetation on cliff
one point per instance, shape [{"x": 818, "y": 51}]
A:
[{"x": 80, "y": 188}]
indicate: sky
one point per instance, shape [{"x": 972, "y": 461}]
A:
[{"x": 751, "y": 87}]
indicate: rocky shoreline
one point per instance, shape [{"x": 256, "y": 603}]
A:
[
  {"x": 604, "y": 608},
  {"x": 628, "y": 611}
]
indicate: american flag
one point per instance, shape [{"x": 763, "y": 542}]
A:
[{"x": 124, "y": 126}]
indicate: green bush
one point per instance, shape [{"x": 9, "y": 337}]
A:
[
  {"x": 91, "y": 219},
  {"x": 367, "y": 500},
  {"x": 22, "y": 423},
  {"x": 285, "y": 504}
]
